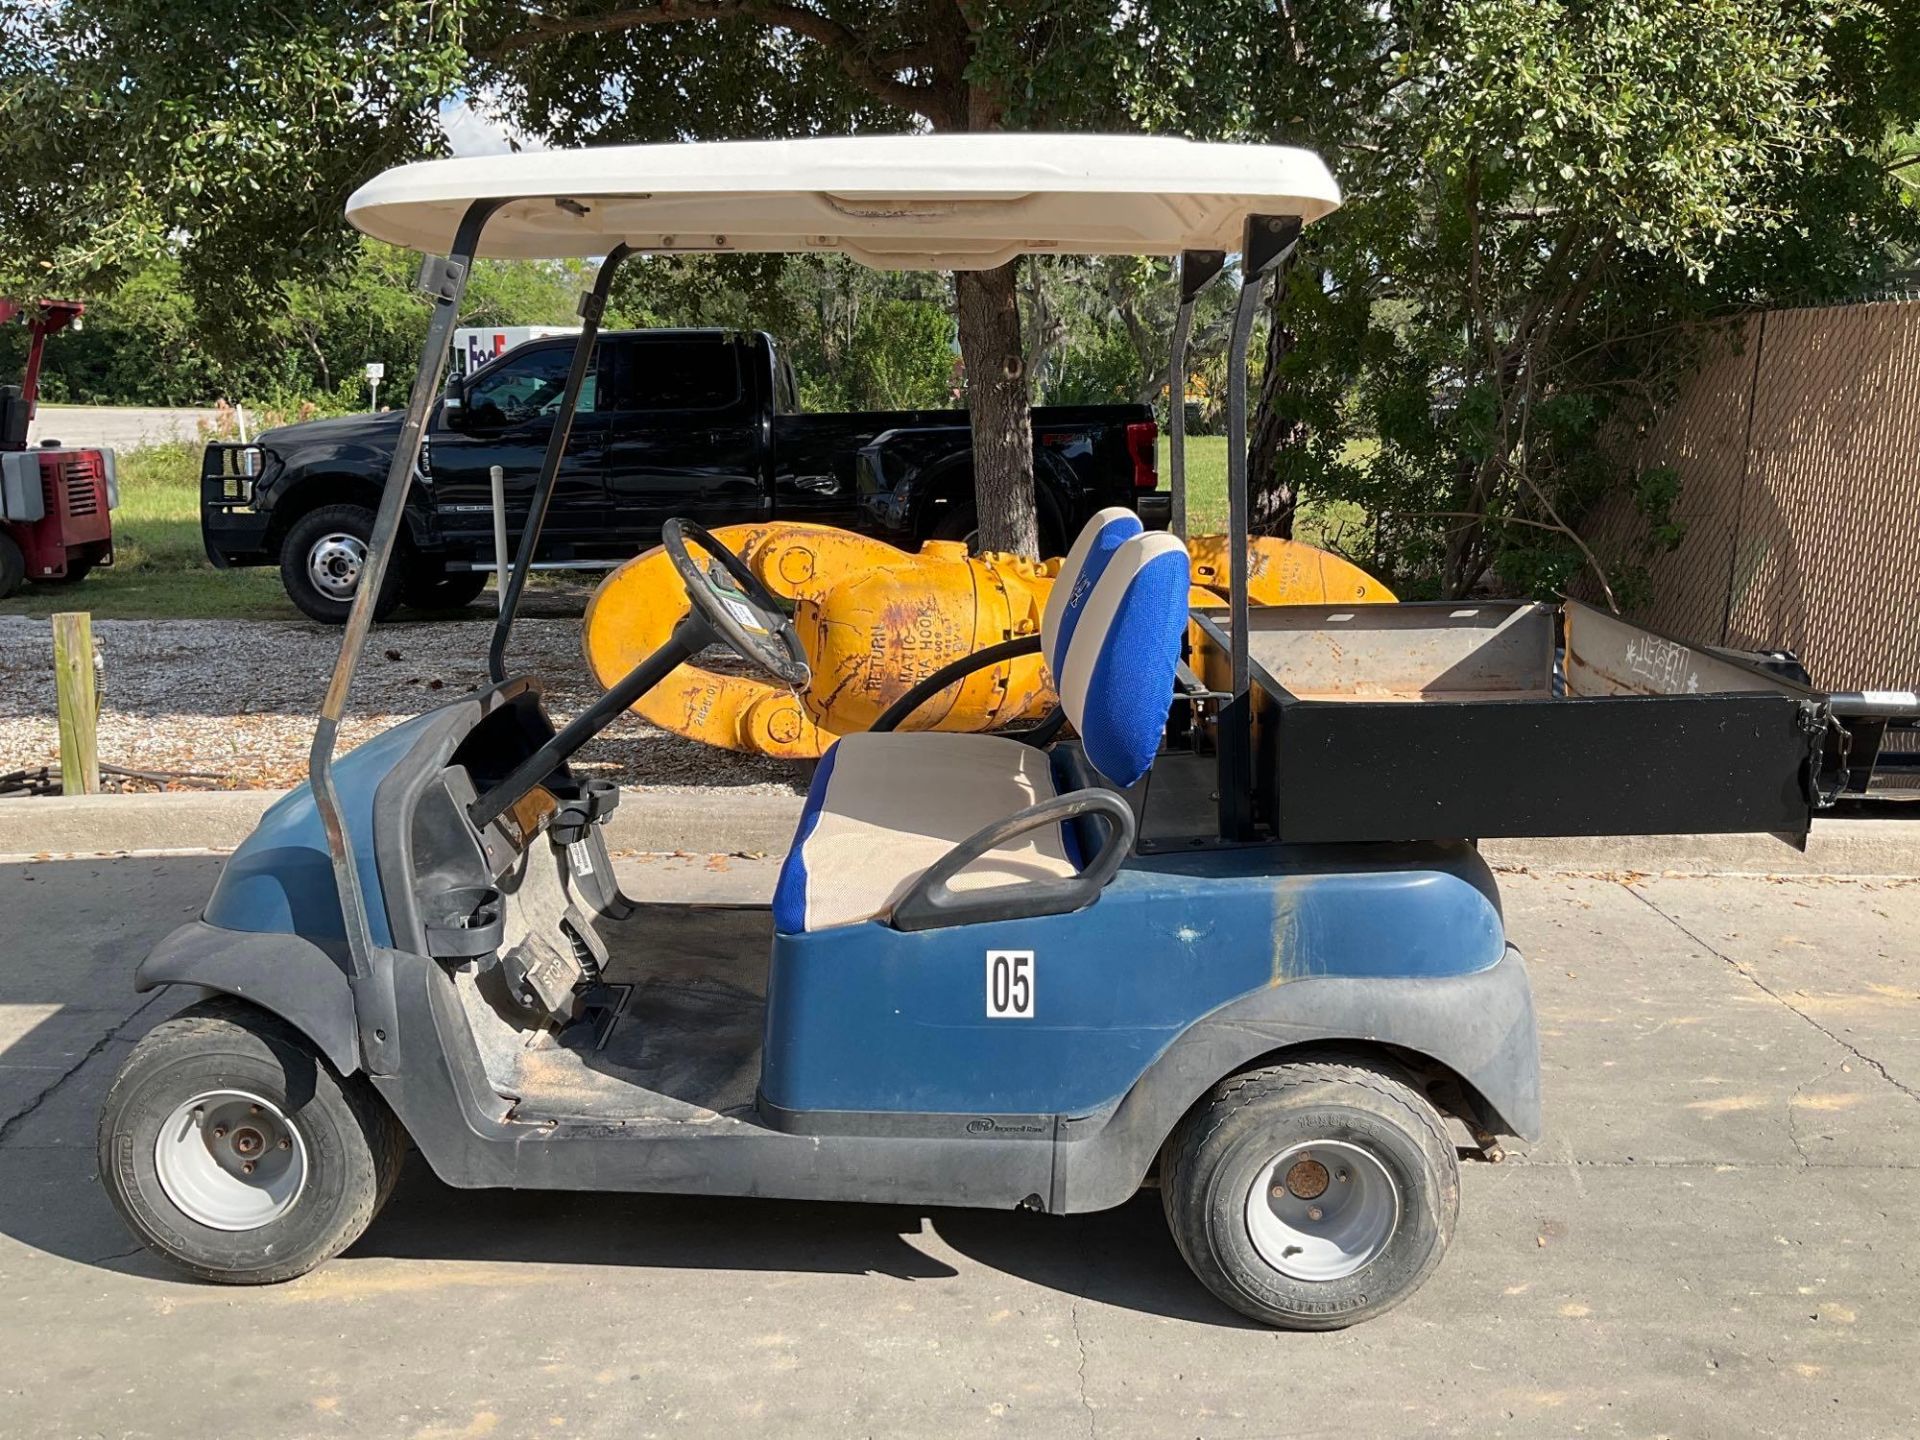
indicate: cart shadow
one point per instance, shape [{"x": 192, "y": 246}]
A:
[{"x": 1120, "y": 1257}]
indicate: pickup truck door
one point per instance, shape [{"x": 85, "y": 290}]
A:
[
  {"x": 507, "y": 421},
  {"x": 687, "y": 433}
]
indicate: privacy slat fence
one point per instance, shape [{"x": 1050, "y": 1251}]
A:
[{"x": 1799, "y": 455}]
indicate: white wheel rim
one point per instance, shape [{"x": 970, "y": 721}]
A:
[
  {"x": 334, "y": 563},
  {"x": 1322, "y": 1210},
  {"x": 230, "y": 1160}
]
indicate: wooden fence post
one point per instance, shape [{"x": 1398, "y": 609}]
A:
[{"x": 79, "y": 704}]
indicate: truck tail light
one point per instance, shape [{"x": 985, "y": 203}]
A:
[{"x": 1141, "y": 439}]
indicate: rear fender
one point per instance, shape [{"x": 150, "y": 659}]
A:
[
  {"x": 1480, "y": 1027},
  {"x": 292, "y": 977}
]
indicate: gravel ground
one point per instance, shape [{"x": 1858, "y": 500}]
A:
[{"x": 236, "y": 699}]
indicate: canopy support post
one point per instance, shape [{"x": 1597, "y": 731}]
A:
[
  {"x": 1268, "y": 242},
  {"x": 446, "y": 281},
  {"x": 1196, "y": 269},
  {"x": 593, "y": 305}
]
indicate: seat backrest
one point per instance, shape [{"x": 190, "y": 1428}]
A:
[{"x": 1110, "y": 636}]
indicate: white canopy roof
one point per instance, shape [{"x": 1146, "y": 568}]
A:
[{"x": 945, "y": 202}]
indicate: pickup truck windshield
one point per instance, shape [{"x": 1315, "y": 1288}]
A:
[{"x": 526, "y": 386}]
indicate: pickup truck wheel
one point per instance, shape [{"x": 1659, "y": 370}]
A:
[
  {"x": 961, "y": 522},
  {"x": 321, "y": 559},
  {"x": 428, "y": 587},
  {"x": 13, "y": 567}
]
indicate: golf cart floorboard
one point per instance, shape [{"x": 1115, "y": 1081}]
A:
[{"x": 679, "y": 1042}]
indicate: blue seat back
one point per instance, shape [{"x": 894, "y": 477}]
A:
[{"x": 1110, "y": 636}]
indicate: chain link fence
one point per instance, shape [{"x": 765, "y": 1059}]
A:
[{"x": 1798, "y": 449}]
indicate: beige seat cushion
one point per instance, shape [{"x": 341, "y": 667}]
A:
[{"x": 885, "y": 807}]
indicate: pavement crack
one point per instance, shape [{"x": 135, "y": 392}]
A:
[
  {"x": 116, "y": 1255},
  {"x": 1079, "y": 1338},
  {"x": 19, "y": 1118},
  {"x": 1080, "y": 1371},
  {"x": 1847, "y": 1045}
]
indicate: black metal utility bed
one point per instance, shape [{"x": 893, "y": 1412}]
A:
[{"x": 1473, "y": 720}]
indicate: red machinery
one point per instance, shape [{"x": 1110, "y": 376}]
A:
[{"x": 55, "y": 502}]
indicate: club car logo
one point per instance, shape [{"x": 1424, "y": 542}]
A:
[{"x": 985, "y": 1126}]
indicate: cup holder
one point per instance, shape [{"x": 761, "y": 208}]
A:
[{"x": 464, "y": 924}]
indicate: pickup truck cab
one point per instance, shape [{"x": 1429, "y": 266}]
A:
[{"x": 704, "y": 424}]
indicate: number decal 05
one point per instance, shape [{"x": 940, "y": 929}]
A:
[{"x": 1010, "y": 984}]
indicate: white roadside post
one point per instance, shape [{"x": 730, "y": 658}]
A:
[
  {"x": 497, "y": 478},
  {"x": 376, "y": 372}
]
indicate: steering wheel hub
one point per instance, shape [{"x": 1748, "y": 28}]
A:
[{"x": 735, "y": 605}]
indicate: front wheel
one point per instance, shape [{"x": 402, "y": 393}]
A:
[
  {"x": 1311, "y": 1195},
  {"x": 235, "y": 1151},
  {"x": 321, "y": 560}
]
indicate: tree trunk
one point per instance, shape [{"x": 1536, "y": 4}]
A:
[
  {"x": 1270, "y": 502},
  {"x": 999, "y": 404}
]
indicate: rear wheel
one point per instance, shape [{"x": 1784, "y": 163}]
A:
[
  {"x": 235, "y": 1151},
  {"x": 321, "y": 560},
  {"x": 13, "y": 566},
  {"x": 1312, "y": 1195},
  {"x": 430, "y": 587},
  {"x": 960, "y": 521}
]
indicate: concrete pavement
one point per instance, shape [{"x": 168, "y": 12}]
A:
[{"x": 1720, "y": 1235}]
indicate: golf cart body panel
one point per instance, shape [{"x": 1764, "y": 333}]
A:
[
  {"x": 280, "y": 881},
  {"x": 867, "y": 1018}
]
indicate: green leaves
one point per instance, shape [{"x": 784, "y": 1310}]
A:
[{"x": 1542, "y": 197}]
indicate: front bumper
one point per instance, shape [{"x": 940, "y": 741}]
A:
[{"x": 231, "y": 529}]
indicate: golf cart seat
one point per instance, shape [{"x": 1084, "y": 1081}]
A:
[{"x": 922, "y": 828}]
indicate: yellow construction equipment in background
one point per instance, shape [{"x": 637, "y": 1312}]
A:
[{"x": 876, "y": 621}]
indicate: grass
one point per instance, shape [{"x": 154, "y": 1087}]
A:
[
  {"x": 160, "y": 570},
  {"x": 1337, "y": 525}
]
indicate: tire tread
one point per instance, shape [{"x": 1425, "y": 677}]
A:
[
  {"x": 1380, "y": 1078},
  {"x": 210, "y": 1026}
]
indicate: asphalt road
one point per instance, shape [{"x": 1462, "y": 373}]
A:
[
  {"x": 120, "y": 427},
  {"x": 1720, "y": 1235}
]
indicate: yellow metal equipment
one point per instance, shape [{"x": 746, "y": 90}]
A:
[{"x": 876, "y": 621}]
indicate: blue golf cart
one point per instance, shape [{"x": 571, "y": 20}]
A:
[{"x": 1216, "y": 926}]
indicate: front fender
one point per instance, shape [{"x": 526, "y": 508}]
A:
[
  {"x": 292, "y": 977},
  {"x": 1480, "y": 1026}
]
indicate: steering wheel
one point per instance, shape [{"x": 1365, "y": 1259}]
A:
[{"x": 735, "y": 605}]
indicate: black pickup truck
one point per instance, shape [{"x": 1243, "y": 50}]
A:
[{"x": 701, "y": 423}]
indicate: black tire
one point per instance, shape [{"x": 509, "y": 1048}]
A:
[
  {"x": 957, "y": 521},
  {"x": 332, "y": 529},
  {"x": 13, "y": 567},
  {"x": 1227, "y": 1144},
  {"x": 960, "y": 521},
  {"x": 428, "y": 587},
  {"x": 351, "y": 1147}
]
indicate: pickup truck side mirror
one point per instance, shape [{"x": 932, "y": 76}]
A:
[{"x": 453, "y": 402}]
